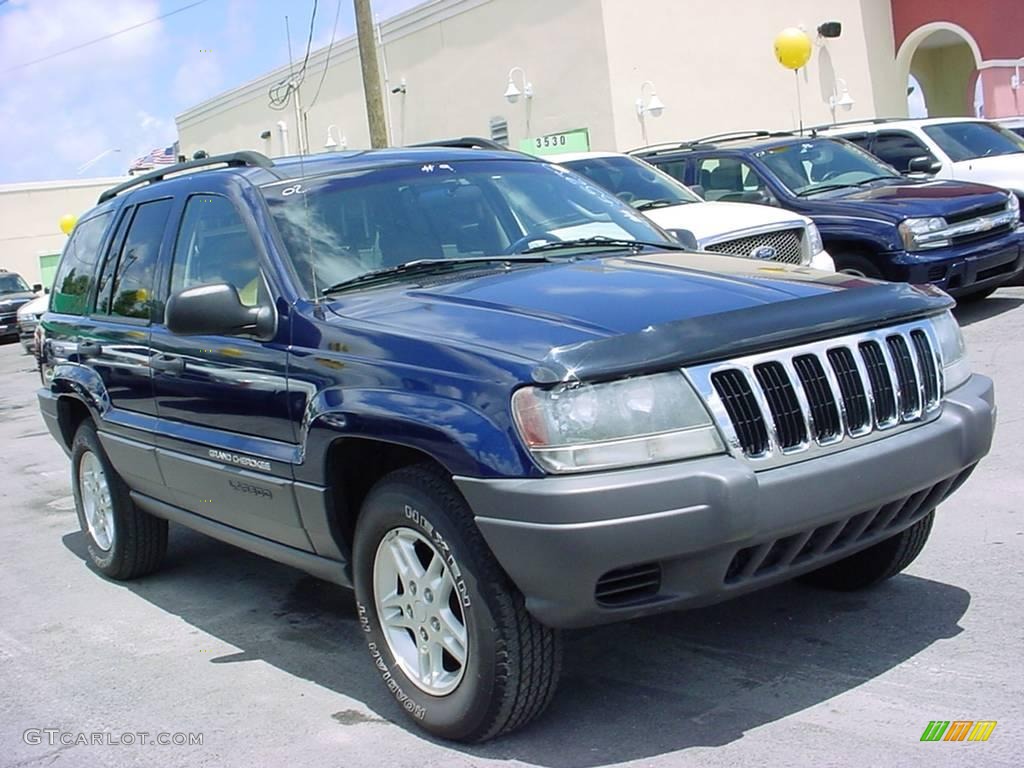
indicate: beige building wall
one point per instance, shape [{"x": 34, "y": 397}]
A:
[
  {"x": 713, "y": 64},
  {"x": 455, "y": 57},
  {"x": 711, "y": 61},
  {"x": 30, "y": 215}
]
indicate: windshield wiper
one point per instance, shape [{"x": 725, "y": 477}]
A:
[
  {"x": 824, "y": 188},
  {"x": 656, "y": 204},
  {"x": 607, "y": 243},
  {"x": 422, "y": 267},
  {"x": 875, "y": 178}
]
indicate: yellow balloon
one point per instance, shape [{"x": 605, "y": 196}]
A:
[
  {"x": 792, "y": 48},
  {"x": 67, "y": 223}
]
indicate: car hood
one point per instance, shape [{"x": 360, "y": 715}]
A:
[
  {"x": 37, "y": 305},
  {"x": 713, "y": 221},
  {"x": 17, "y": 298},
  {"x": 597, "y": 317},
  {"x": 909, "y": 198},
  {"x": 1005, "y": 171}
]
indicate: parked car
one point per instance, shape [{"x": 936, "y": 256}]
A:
[
  {"x": 962, "y": 237},
  {"x": 750, "y": 231},
  {"x": 493, "y": 399},
  {"x": 959, "y": 148},
  {"x": 14, "y": 293},
  {"x": 28, "y": 317}
]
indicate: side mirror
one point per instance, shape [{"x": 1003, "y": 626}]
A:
[
  {"x": 686, "y": 238},
  {"x": 923, "y": 164},
  {"x": 216, "y": 310},
  {"x": 697, "y": 189},
  {"x": 37, "y": 287}
]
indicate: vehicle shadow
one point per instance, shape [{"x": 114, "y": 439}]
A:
[
  {"x": 976, "y": 311},
  {"x": 630, "y": 691}
]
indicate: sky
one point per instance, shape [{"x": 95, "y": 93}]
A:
[{"x": 122, "y": 93}]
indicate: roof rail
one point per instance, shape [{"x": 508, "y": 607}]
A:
[
  {"x": 243, "y": 158},
  {"x": 465, "y": 142},
  {"x": 704, "y": 140},
  {"x": 865, "y": 121}
]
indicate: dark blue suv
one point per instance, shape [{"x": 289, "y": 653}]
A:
[
  {"x": 494, "y": 400},
  {"x": 964, "y": 238}
]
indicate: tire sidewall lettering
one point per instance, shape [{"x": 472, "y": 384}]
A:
[{"x": 418, "y": 518}]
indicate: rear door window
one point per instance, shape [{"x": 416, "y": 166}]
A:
[
  {"x": 131, "y": 290},
  {"x": 76, "y": 277},
  {"x": 898, "y": 149}
]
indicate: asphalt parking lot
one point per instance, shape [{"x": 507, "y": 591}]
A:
[{"x": 268, "y": 665}]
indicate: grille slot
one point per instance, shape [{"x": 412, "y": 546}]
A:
[
  {"x": 743, "y": 410},
  {"x": 814, "y": 397},
  {"x": 910, "y": 393},
  {"x": 782, "y": 402},
  {"x": 824, "y": 410},
  {"x": 881, "y": 384},
  {"x": 785, "y": 242},
  {"x": 855, "y": 399},
  {"x": 926, "y": 364},
  {"x": 628, "y": 585}
]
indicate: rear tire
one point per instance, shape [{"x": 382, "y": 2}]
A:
[
  {"x": 875, "y": 564},
  {"x": 123, "y": 541},
  {"x": 856, "y": 264},
  {"x": 421, "y": 568}
]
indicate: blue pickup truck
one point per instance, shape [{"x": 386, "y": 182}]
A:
[
  {"x": 492, "y": 399},
  {"x": 964, "y": 238}
]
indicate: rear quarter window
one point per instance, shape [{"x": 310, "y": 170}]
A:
[{"x": 76, "y": 274}]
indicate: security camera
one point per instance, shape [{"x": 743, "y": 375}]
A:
[
  {"x": 830, "y": 29},
  {"x": 265, "y": 135},
  {"x": 400, "y": 88}
]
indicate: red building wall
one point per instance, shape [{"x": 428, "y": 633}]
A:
[{"x": 996, "y": 25}]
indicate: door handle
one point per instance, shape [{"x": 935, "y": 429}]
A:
[
  {"x": 86, "y": 349},
  {"x": 167, "y": 364}
]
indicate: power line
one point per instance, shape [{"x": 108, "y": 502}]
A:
[
  {"x": 327, "y": 60},
  {"x": 99, "y": 39}
]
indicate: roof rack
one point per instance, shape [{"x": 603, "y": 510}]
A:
[
  {"x": 705, "y": 140},
  {"x": 244, "y": 158},
  {"x": 465, "y": 142},
  {"x": 865, "y": 121}
]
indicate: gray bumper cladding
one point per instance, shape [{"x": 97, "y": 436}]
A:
[{"x": 595, "y": 548}]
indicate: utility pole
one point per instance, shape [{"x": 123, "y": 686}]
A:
[{"x": 371, "y": 74}]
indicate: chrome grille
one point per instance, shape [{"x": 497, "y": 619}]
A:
[
  {"x": 793, "y": 403},
  {"x": 784, "y": 242}
]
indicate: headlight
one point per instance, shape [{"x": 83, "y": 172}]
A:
[
  {"x": 623, "y": 423},
  {"x": 814, "y": 244},
  {"x": 1013, "y": 205},
  {"x": 955, "y": 367},
  {"x": 921, "y": 234}
]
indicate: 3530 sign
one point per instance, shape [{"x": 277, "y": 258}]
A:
[{"x": 568, "y": 141}]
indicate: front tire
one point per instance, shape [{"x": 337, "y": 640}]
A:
[
  {"x": 123, "y": 541},
  {"x": 447, "y": 630},
  {"x": 856, "y": 264},
  {"x": 875, "y": 564}
]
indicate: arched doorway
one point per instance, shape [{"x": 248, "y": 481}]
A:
[{"x": 943, "y": 58}]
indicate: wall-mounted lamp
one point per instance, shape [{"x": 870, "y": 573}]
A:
[
  {"x": 840, "y": 98},
  {"x": 654, "y": 107},
  {"x": 512, "y": 92},
  {"x": 330, "y": 145}
]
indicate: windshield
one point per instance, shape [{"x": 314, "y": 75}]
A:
[
  {"x": 969, "y": 141},
  {"x": 633, "y": 181},
  {"x": 820, "y": 164},
  {"x": 13, "y": 284},
  {"x": 338, "y": 227}
]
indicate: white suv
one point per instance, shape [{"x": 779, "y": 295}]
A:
[
  {"x": 958, "y": 148},
  {"x": 734, "y": 229}
]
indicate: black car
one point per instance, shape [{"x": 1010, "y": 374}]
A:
[
  {"x": 964, "y": 238},
  {"x": 494, "y": 400},
  {"x": 14, "y": 293}
]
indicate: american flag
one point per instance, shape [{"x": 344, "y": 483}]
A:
[{"x": 164, "y": 156}]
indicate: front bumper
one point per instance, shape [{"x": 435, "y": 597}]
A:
[
  {"x": 962, "y": 269},
  {"x": 712, "y": 528},
  {"x": 823, "y": 260}
]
